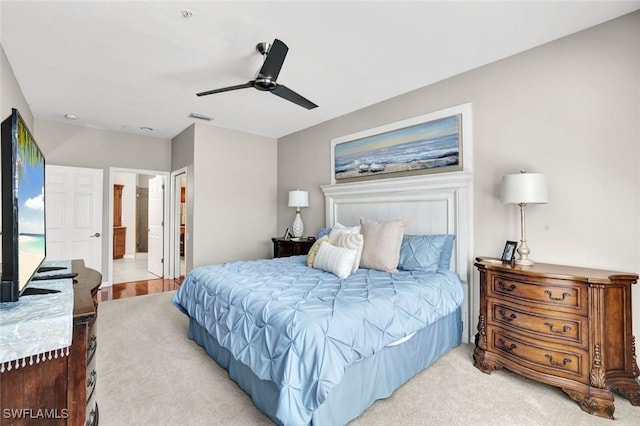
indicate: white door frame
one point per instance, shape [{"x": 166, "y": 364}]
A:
[
  {"x": 175, "y": 224},
  {"x": 165, "y": 218}
]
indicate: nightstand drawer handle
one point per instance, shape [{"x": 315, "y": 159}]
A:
[
  {"x": 505, "y": 288},
  {"x": 557, "y": 364},
  {"x": 564, "y": 328},
  {"x": 504, "y": 346},
  {"x": 564, "y": 295},
  {"x": 504, "y": 316}
]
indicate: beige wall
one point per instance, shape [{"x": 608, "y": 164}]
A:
[
  {"x": 569, "y": 109},
  {"x": 70, "y": 145},
  {"x": 182, "y": 149},
  {"x": 231, "y": 193}
]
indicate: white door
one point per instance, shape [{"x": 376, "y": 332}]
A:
[
  {"x": 156, "y": 226},
  {"x": 73, "y": 197}
]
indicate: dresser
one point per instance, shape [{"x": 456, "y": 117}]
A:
[
  {"x": 564, "y": 326},
  {"x": 61, "y": 390},
  {"x": 288, "y": 247}
]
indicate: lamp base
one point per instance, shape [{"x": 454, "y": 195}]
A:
[
  {"x": 298, "y": 227},
  {"x": 523, "y": 253}
]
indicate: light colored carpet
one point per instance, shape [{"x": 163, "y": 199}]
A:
[{"x": 150, "y": 373}]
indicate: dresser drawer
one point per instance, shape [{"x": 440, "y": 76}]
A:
[
  {"x": 535, "y": 355},
  {"x": 563, "y": 295},
  {"x": 563, "y": 327}
]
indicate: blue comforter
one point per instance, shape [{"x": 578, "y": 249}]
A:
[{"x": 301, "y": 327}]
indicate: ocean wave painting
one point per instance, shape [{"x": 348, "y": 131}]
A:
[{"x": 421, "y": 147}]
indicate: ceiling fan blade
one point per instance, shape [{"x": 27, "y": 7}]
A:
[
  {"x": 275, "y": 59},
  {"x": 285, "y": 93},
  {"x": 227, "y": 89}
]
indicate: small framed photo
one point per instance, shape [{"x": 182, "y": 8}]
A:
[
  {"x": 286, "y": 234},
  {"x": 509, "y": 252}
]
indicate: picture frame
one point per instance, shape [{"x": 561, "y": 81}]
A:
[
  {"x": 286, "y": 234},
  {"x": 509, "y": 251},
  {"x": 427, "y": 144}
]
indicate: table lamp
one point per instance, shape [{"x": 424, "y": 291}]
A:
[
  {"x": 522, "y": 189},
  {"x": 298, "y": 199}
]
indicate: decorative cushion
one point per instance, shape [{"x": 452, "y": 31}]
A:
[
  {"x": 382, "y": 241},
  {"x": 354, "y": 241},
  {"x": 322, "y": 232},
  {"x": 447, "y": 251},
  {"x": 425, "y": 252},
  {"x": 337, "y": 260},
  {"x": 340, "y": 229},
  {"x": 311, "y": 255}
]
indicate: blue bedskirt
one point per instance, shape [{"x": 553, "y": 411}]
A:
[{"x": 364, "y": 382}]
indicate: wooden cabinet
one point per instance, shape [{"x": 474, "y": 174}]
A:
[
  {"x": 117, "y": 205},
  {"x": 182, "y": 240},
  {"x": 119, "y": 242},
  {"x": 565, "y": 326},
  {"x": 62, "y": 388},
  {"x": 119, "y": 231},
  {"x": 285, "y": 248}
]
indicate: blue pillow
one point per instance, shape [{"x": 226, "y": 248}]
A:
[
  {"x": 322, "y": 232},
  {"x": 445, "y": 254},
  {"x": 427, "y": 253}
]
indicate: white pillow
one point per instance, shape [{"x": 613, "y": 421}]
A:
[
  {"x": 337, "y": 260},
  {"x": 382, "y": 242},
  {"x": 339, "y": 229},
  {"x": 354, "y": 241}
]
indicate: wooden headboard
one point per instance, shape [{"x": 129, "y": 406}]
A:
[{"x": 433, "y": 204}]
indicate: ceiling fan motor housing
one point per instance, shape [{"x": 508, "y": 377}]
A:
[{"x": 264, "y": 83}]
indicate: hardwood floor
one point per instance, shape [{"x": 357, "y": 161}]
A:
[{"x": 138, "y": 288}]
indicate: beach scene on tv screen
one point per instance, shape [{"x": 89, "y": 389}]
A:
[{"x": 31, "y": 219}]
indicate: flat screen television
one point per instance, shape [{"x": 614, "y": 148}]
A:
[{"x": 23, "y": 207}]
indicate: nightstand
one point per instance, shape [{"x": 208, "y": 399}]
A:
[
  {"x": 565, "y": 326},
  {"x": 285, "y": 248}
]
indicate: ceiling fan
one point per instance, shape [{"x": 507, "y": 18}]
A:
[{"x": 265, "y": 80}]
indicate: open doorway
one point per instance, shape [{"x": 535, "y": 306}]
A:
[
  {"x": 180, "y": 235},
  {"x": 138, "y": 217}
]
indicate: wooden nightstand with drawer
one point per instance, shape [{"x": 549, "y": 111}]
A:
[
  {"x": 564, "y": 326},
  {"x": 288, "y": 247}
]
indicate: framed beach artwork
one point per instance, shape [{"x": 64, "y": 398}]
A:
[{"x": 430, "y": 143}]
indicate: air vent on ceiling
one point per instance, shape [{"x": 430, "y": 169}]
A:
[{"x": 200, "y": 116}]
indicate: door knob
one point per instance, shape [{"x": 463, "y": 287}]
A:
[{"x": 97, "y": 234}]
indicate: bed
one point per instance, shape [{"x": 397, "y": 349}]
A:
[{"x": 310, "y": 347}]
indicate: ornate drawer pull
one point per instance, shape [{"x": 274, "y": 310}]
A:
[
  {"x": 504, "y": 346},
  {"x": 93, "y": 343},
  {"x": 92, "y": 418},
  {"x": 505, "y": 288},
  {"x": 92, "y": 379},
  {"x": 505, "y": 317},
  {"x": 557, "y": 364},
  {"x": 564, "y": 328},
  {"x": 564, "y": 295}
]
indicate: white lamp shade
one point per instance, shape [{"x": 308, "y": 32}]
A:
[
  {"x": 526, "y": 188},
  {"x": 298, "y": 198}
]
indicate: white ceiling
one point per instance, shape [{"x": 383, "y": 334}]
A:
[{"x": 125, "y": 65}]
